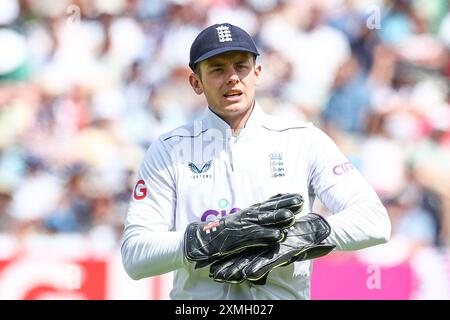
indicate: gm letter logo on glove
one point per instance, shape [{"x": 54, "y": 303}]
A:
[
  {"x": 140, "y": 190},
  {"x": 212, "y": 225}
]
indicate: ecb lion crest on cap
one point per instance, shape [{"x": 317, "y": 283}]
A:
[{"x": 224, "y": 33}]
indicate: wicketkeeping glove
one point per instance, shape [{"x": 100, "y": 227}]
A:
[
  {"x": 304, "y": 240},
  {"x": 259, "y": 225}
]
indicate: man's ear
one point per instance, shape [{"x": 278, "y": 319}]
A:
[
  {"x": 258, "y": 69},
  {"x": 196, "y": 83}
]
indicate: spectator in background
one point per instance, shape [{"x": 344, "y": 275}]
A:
[
  {"x": 41, "y": 190},
  {"x": 73, "y": 212},
  {"x": 416, "y": 218},
  {"x": 349, "y": 103},
  {"x": 300, "y": 31},
  {"x": 5, "y": 199}
]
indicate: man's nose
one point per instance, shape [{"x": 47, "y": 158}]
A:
[{"x": 233, "y": 76}]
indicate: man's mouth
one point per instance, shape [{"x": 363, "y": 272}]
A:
[{"x": 233, "y": 94}]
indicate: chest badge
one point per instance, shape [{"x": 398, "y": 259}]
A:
[{"x": 276, "y": 165}]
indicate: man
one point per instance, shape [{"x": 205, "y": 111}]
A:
[{"x": 234, "y": 157}]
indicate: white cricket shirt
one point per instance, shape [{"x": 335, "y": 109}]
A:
[{"x": 200, "y": 172}]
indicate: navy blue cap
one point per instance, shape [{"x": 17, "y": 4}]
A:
[{"x": 220, "y": 38}]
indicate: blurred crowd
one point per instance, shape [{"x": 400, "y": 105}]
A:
[{"x": 87, "y": 85}]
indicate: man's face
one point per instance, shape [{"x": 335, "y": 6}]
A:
[{"x": 228, "y": 81}]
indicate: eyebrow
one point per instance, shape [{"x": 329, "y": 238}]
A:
[
  {"x": 215, "y": 64},
  {"x": 221, "y": 64}
]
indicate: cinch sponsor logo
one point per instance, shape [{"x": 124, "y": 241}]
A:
[
  {"x": 214, "y": 213},
  {"x": 140, "y": 190},
  {"x": 342, "y": 168}
]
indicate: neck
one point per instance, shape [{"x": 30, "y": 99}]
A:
[{"x": 238, "y": 122}]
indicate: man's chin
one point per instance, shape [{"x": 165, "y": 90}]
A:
[{"x": 237, "y": 107}]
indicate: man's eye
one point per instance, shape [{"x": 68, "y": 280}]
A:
[
  {"x": 217, "y": 70},
  {"x": 241, "y": 66}
]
